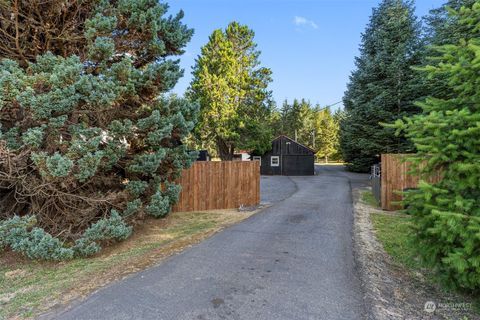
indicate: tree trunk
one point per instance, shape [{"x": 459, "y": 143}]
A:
[
  {"x": 326, "y": 159},
  {"x": 224, "y": 150}
]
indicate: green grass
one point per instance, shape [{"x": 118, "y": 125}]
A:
[
  {"x": 393, "y": 230},
  {"x": 36, "y": 286},
  {"x": 368, "y": 198}
]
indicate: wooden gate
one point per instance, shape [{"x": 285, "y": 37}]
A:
[{"x": 396, "y": 178}]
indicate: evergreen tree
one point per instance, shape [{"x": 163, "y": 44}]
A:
[
  {"x": 338, "y": 116},
  {"x": 326, "y": 132},
  {"x": 312, "y": 126},
  {"x": 383, "y": 86},
  {"x": 442, "y": 28},
  {"x": 87, "y": 141},
  {"x": 283, "y": 124},
  {"x": 305, "y": 132},
  {"x": 232, "y": 90},
  {"x": 296, "y": 121},
  {"x": 447, "y": 137}
]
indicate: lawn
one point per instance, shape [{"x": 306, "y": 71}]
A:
[
  {"x": 393, "y": 231},
  {"x": 28, "y": 288},
  {"x": 369, "y": 199}
]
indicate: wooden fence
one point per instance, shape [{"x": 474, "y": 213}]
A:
[
  {"x": 210, "y": 185},
  {"x": 395, "y": 178}
]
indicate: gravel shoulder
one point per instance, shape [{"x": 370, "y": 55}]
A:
[{"x": 392, "y": 291}]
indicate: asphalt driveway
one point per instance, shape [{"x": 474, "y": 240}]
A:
[
  {"x": 294, "y": 260},
  {"x": 276, "y": 188}
]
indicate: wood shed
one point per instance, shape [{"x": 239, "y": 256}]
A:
[{"x": 288, "y": 158}]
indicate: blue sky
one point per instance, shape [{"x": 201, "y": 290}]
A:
[{"x": 310, "y": 45}]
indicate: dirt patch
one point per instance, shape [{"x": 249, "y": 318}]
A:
[
  {"x": 392, "y": 291},
  {"x": 4, "y": 298},
  {"x": 15, "y": 273}
]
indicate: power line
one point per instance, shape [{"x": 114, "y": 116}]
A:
[
  {"x": 334, "y": 104},
  {"x": 326, "y": 107}
]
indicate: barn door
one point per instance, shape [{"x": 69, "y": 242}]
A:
[{"x": 298, "y": 165}]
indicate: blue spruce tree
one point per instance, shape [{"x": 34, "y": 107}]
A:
[{"x": 88, "y": 143}]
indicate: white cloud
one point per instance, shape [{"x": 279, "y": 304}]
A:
[{"x": 302, "y": 21}]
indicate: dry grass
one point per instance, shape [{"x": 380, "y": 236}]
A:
[
  {"x": 28, "y": 288},
  {"x": 396, "y": 283},
  {"x": 330, "y": 163}
]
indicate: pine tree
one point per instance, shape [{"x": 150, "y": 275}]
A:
[
  {"x": 306, "y": 123},
  {"x": 283, "y": 126},
  {"x": 447, "y": 137},
  {"x": 232, "y": 90},
  {"x": 327, "y": 140},
  {"x": 383, "y": 87},
  {"x": 444, "y": 28},
  {"x": 296, "y": 121},
  {"x": 312, "y": 126},
  {"x": 88, "y": 143}
]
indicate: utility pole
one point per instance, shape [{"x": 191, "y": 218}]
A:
[{"x": 313, "y": 142}]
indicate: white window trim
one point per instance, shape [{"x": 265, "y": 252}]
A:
[
  {"x": 277, "y": 164},
  {"x": 257, "y": 158}
]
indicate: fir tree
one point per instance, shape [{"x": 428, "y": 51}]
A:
[
  {"x": 291, "y": 118},
  {"x": 443, "y": 28},
  {"x": 326, "y": 140},
  {"x": 312, "y": 126},
  {"x": 383, "y": 87},
  {"x": 232, "y": 90},
  {"x": 87, "y": 141},
  {"x": 305, "y": 130},
  {"x": 447, "y": 137}
]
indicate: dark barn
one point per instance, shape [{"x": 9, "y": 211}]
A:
[
  {"x": 287, "y": 158},
  {"x": 203, "y": 155}
]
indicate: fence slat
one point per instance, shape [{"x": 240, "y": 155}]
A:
[{"x": 214, "y": 185}]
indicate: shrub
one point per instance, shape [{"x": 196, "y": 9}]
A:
[
  {"x": 19, "y": 234},
  {"x": 112, "y": 228},
  {"x": 84, "y": 128}
]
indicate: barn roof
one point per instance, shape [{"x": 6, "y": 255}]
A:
[{"x": 284, "y": 136}]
